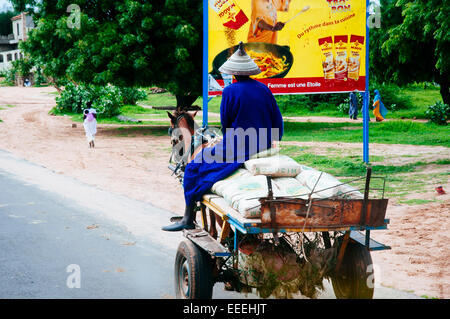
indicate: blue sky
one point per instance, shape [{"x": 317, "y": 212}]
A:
[{"x": 4, "y": 2}]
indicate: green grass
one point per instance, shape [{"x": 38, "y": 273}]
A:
[
  {"x": 160, "y": 99},
  {"x": 352, "y": 165},
  {"x": 52, "y": 93},
  {"x": 137, "y": 109},
  {"x": 127, "y": 131},
  {"x": 398, "y": 181},
  {"x": 391, "y": 132},
  {"x": 167, "y": 99},
  {"x": 416, "y": 201},
  {"x": 2, "y": 107},
  {"x": 420, "y": 99},
  {"x": 132, "y": 111},
  {"x": 428, "y": 297},
  {"x": 76, "y": 117},
  {"x": 6, "y": 83}
]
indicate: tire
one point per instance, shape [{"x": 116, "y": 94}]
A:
[
  {"x": 351, "y": 282},
  {"x": 193, "y": 272}
]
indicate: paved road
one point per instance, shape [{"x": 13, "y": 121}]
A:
[
  {"x": 49, "y": 222},
  {"x": 42, "y": 234}
]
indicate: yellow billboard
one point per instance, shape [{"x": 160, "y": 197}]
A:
[{"x": 301, "y": 46}]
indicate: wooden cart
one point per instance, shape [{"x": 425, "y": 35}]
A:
[{"x": 210, "y": 252}]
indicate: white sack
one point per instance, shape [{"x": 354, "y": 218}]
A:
[
  {"x": 218, "y": 187},
  {"x": 275, "y": 166},
  {"x": 327, "y": 185},
  {"x": 267, "y": 153},
  {"x": 291, "y": 187}
]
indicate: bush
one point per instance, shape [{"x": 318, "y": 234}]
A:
[
  {"x": 312, "y": 102},
  {"x": 39, "y": 79},
  {"x": 131, "y": 95},
  {"x": 106, "y": 100},
  {"x": 391, "y": 96},
  {"x": 73, "y": 98},
  {"x": 438, "y": 113},
  {"x": 9, "y": 77},
  {"x": 288, "y": 102},
  {"x": 22, "y": 67}
]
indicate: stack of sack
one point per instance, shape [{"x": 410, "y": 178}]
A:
[{"x": 242, "y": 189}]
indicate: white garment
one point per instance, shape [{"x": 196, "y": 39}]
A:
[{"x": 90, "y": 125}]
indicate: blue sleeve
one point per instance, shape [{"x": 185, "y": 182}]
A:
[
  {"x": 278, "y": 118},
  {"x": 227, "y": 109},
  {"x": 223, "y": 111}
]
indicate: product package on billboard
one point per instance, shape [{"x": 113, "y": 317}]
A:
[
  {"x": 326, "y": 45},
  {"x": 355, "y": 54},
  {"x": 340, "y": 61},
  {"x": 229, "y": 13}
]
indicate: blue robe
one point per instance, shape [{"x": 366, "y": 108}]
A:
[
  {"x": 246, "y": 105},
  {"x": 382, "y": 109},
  {"x": 353, "y": 110}
]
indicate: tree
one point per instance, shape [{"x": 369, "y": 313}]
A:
[
  {"x": 413, "y": 43},
  {"x": 5, "y": 22},
  {"x": 23, "y": 5},
  {"x": 125, "y": 43}
]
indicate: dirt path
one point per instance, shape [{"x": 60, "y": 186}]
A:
[{"x": 136, "y": 166}]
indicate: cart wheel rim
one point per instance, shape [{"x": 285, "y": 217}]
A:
[{"x": 184, "y": 279}]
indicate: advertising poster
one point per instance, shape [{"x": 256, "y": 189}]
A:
[{"x": 302, "y": 46}]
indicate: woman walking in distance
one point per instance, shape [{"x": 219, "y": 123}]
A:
[
  {"x": 90, "y": 123},
  {"x": 379, "y": 110}
]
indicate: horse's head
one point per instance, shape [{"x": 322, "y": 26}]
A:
[{"x": 182, "y": 128}]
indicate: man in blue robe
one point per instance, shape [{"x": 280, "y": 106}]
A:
[
  {"x": 353, "y": 110},
  {"x": 251, "y": 121}
]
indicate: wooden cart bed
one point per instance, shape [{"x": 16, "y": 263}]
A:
[{"x": 288, "y": 218}]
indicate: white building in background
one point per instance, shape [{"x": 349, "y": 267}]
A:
[{"x": 9, "y": 44}]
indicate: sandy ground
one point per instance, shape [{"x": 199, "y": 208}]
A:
[{"x": 135, "y": 164}]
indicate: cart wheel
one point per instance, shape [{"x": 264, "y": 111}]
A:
[
  {"x": 351, "y": 280},
  {"x": 193, "y": 272}
]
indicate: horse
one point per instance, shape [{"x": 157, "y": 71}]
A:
[{"x": 188, "y": 138}]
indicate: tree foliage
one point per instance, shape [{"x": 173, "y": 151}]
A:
[
  {"x": 413, "y": 43},
  {"x": 107, "y": 99},
  {"x": 125, "y": 43},
  {"x": 5, "y": 22}
]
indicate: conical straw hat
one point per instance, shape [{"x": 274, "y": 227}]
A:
[{"x": 240, "y": 63}]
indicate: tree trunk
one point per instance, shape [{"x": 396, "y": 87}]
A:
[
  {"x": 185, "y": 101},
  {"x": 54, "y": 84},
  {"x": 444, "y": 82}
]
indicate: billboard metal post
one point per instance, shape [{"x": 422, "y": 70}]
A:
[
  {"x": 366, "y": 117},
  {"x": 205, "y": 63}
]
